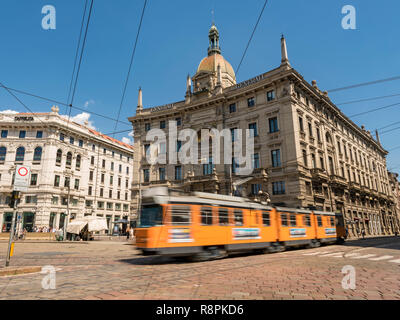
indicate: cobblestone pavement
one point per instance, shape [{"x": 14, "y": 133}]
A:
[{"x": 115, "y": 270}]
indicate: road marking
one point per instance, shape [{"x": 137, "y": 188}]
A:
[
  {"x": 332, "y": 254},
  {"x": 395, "y": 261},
  {"x": 381, "y": 258},
  {"x": 347, "y": 255},
  {"x": 365, "y": 256},
  {"x": 314, "y": 253}
]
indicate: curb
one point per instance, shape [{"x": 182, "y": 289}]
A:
[{"x": 7, "y": 271}]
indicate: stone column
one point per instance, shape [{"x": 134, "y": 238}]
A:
[{"x": 57, "y": 220}]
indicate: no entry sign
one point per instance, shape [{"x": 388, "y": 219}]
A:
[{"x": 21, "y": 180}]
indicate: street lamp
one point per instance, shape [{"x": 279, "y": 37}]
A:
[{"x": 66, "y": 222}]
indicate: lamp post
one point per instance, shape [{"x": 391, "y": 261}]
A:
[{"x": 66, "y": 222}]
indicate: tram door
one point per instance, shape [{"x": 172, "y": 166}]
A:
[
  {"x": 254, "y": 218},
  {"x": 180, "y": 224}
]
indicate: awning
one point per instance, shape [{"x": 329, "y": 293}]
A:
[{"x": 94, "y": 224}]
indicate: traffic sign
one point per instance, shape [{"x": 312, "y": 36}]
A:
[{"x": 21, "y": 180}]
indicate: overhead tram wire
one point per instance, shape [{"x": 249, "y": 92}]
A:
[
  {"x": 364, "y": 84},
  {"x": 80, "y": 59},
  {"x": 373, "y": 110},
  {"x": 251, "y": 37},
  {"x": 65, "y": 104},
  {"x": 76, "y": 54},
  {"x": 25, "y": 106},
  {"x": 368, "y": 99},
  {"x": 130, "y": 66}
]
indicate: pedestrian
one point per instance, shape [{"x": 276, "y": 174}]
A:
[
  {"x": 24, "y": 234},
  {"x": 131, "y": 233},
  {"x": 363, "y": 233},
  {"x": 128, "y": 230}
]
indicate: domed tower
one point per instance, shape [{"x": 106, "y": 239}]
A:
[{"x": 214, "y": 71}]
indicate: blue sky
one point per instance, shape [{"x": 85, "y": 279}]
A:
[{"x": 174, "y": 40}]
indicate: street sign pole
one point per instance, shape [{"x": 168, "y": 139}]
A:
[
  {"x": 10, "y": 242},
  {"x": 67, "y": 219}
]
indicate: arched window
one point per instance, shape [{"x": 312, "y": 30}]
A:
[
  {"x": 69, "y": 159},
  {"x": 20, "y": 155},
  {"x": 328, "y": 138},
  {"x": 37, "y": 154},
  {"x": 3, "y": 152},
  {"x": 59, "y": 156},
  {"x": 78, "y": 162}
]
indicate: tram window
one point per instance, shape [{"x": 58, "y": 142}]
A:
[
  {"x": 284, "y": 220},
  {"x": 292, "y": 220},
  {"x": 223, "y": 216},
  {"x": 238, "y": 217},
  {"x": 319, "y": 219},
  {"x": 266, "y": 219},
  {"x": 180, "y": 215},
  {"x": 332, "y": 222},
  {"x": 307, "y": 220},
  {"x": 206, "y": 216}
]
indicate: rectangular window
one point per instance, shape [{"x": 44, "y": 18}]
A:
[
  {"x": 102, "y": 178},
  {"x": 71, "y": 140},
  {"x": 284, "y": 220},
  {"x": 233, "y": 134},
  {"x": 310, "y": 129},
  {"x": 273, "y": 124},
  {"x": 146, "y": 175},
  {"x": 56, "y": 181},
  {"x": 101, "y": 192},
  {"x": 206, "y": 216},
  {"x": 178, "y": 173},
  {"x": 208, "y": 167},
  {"x": 270, "y": 95},
  {"x": 313, "y": 162},
  {"x": 253, "y": 126},
  {"x": 92, "y": 160},
  {"x": 76, "y": 184},
  {"x": 120, "y": 168},
  {"x": 250, "y": 102},
  {"x": 22, "y": 134},
  {"x": 301, "y": 124},
  {"x": 255, "y": 188},
  {"x": 266, "y": 219},
  {"x": 93, "y": 147},
  {"x": 178, "y": 145},
  {"x": 147, "y": 126},
  {"x": 305, "y": 162},
  {"x": 161, "y": 174},
  {"x": 110, "y": 193},
  {"x": 238, "y": 217},
  {"x": 321, "y": 160},
  {"x": 256, "y": 161},
  {"x": 276, "y": 158},
  {"x": 162, "y": 124},
  {"x": 39, "y": 134},
  {"x": 178, "y": 121},
  {"x": 318, "y": 135},
  {"x": 278, "y": 187},
  {"x": 232, "y": 107},
  {"x": 307, "y": 220},
  {"x": 319, "y": 219},
  {"x": 293, "y": 220},
  {"x": 332, "y": 221},
  {"x": 4, "y": 133},
  {"x": 90, "y": 175},
  {"x": 61, "y": 136},
  {"x": 223, "y": 217},
  {"x": 112, "y": 166},
  {"x": 81, "y": 143},
  {"x": 34, "y": 179},
  {"x": 66, "y": 182},
  {"x": 180, "y": 215},
  {"x": 103, "y": 163},
  {"x": 90, "y": 191}
]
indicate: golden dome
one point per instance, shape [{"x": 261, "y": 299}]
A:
[{"x": 210, "y": 64}]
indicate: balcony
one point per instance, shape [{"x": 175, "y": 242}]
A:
[
  {"x": 319, "y": 174},
  {"x": 355, "y": 186},
  {"x": 338, "y": 180}
]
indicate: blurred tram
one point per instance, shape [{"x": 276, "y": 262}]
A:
[{"x": 205, "y": 226}]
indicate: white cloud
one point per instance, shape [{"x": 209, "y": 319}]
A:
[
  {"x": 126, "y": 140},
  {"x": 9, "y": 111},
  {"x": 88, "y": 102},
  {"x": 81, "y": 118}
]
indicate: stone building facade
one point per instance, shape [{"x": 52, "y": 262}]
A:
[
  {"x": 66, "y": 158},
  {"x": 307, "y": 153},
  {"x": 395, "y": 186}
]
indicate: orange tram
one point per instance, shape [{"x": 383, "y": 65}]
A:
[{"x": 205, "y": 226}]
